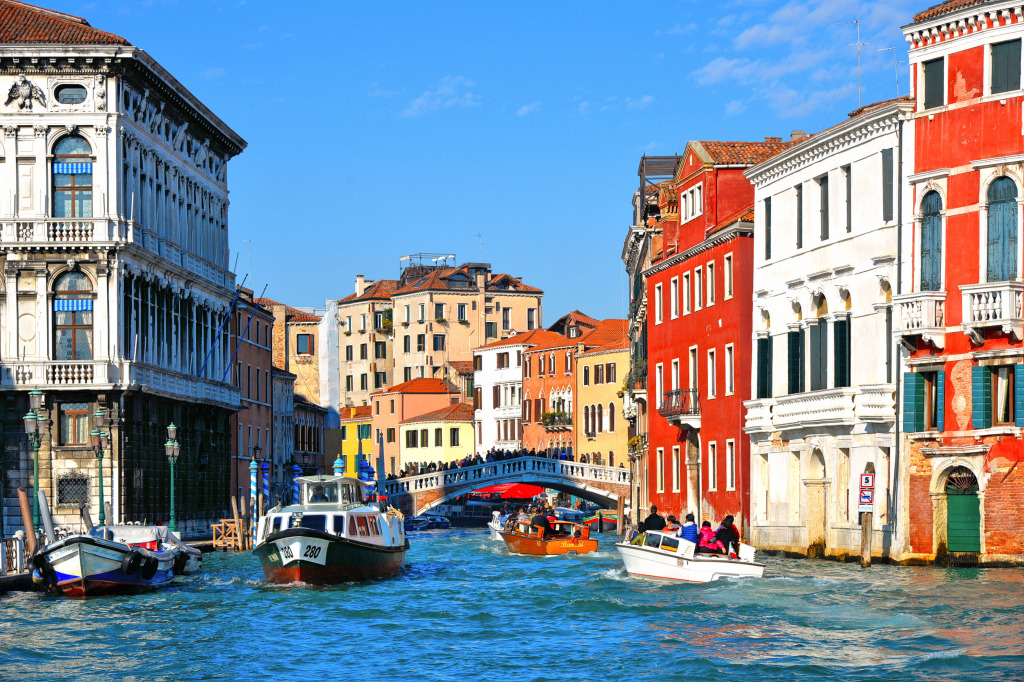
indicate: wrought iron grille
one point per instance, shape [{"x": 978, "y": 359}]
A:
[
  {"x": 961, "y": 482},
  {"x": 72, "y": 490}
]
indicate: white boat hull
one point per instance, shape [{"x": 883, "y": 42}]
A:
[
  {"x": 495, "y": 530},
  {"x": 657, "y": 564},
  {"x": 81, "y": 566}
]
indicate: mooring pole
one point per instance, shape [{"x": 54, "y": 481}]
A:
[
  {"x": 620, "y": 526},
  {"x": 865, "y": 539}
]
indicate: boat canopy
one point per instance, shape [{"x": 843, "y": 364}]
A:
[{"x": 331, "y": 490}]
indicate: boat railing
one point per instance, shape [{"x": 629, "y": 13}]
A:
[
  {"x": 12, "y": 555},
  {"x": 489, "y": 471}
]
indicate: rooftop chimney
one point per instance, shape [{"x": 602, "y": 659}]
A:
[
  {"x": 360, "y": 285},
  {"x": 773, "y": 139},
  {"x": 796, "y": 134}
]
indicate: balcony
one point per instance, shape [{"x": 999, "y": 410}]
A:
[
  {"x": 556, "y": 421},
  {"x": 51, "y": 231},
  {"x": 993, "y": 304},
  {"x": 681, "y": 408},
  {"x": 57, "y": 374},
  {"x": 922, "y": 313},
  {"x": 842, "y": 407}
]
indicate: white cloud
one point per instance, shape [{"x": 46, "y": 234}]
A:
[
  {"x": 452, "y": 91},
  {"x": 641, "y": 103},
  {"x": 215, "y": 72},
  {"x": 528, "y": 108},
  {"x": 735, "y": 107}
]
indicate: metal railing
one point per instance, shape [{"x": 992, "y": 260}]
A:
[
  {"x": 680, "y": 402},
  {"x": 12, "y": 556}
]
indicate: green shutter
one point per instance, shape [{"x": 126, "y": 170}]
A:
[
  {"x": 841, "y": 329},
  {"x": 940, "y": 401},
  {"x": 913, "y": 402},
  {"x": 764, "y": 367},
  {"x": 796, "y": 362},
  {"x": 1018, "y": 395},
  {"x": 981, "y": 397}
]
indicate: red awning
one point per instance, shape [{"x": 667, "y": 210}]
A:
[{"x": 519, "y": 491}]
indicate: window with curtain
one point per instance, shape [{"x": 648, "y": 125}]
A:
[
  {"x": 74, "y": 424},
  {"x": 72, "y": 178},
  {"x": 72, "y": 317}
]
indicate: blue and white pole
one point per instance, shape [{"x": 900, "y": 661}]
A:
[
  {"x": 266, "y": 482},
  {"x": 252, "y": 492},
  {"x": 296, "y": 472},
  {"x": 339, "y": 466}
]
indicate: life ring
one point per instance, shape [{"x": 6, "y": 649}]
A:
[
  {"x": 130, "y": 563},
  {"x": 179, "y": 563},
  {"x": 47, "y": 574},
  {"x": 148, "y": 568}
]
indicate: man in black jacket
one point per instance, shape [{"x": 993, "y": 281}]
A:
[{"x": 654, "y": 521}]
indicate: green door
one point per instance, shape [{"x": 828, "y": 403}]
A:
[{"x": 963, "y": 523}]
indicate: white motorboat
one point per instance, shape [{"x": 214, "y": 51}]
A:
[
  {"x": 495, "y": 525},
  {"x": 657, "y": 555}
]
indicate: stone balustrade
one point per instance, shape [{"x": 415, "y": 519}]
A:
[
  {"x": 993, "y": 304},
  {"x": 922, "y": 313},
  {"x": 876, "y": 403},
  {"x": 832, "y": 407},
  {"x": 759, "y": 414}
]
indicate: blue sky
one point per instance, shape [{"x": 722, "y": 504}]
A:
[{"x": 379, "y": 129}]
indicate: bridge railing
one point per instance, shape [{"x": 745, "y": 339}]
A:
[{"x": 488, "y": 472}]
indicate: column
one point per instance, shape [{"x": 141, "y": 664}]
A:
[
  {"x": 10, "y": 350},
  {"x": 42, "y": 316}
]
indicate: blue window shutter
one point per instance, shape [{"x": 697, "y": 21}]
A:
[
  {"x": 913, "y": 402},
  {"x": 940, "y": 399},
  {"x": 981, "y": 397},
  {"x": 1018, "y": 395}
]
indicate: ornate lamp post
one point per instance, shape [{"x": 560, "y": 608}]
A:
[
  {"x": 36, "y": 427},
  {"x": 100, "y": 440},
  {"x": 172, "y": 448}
]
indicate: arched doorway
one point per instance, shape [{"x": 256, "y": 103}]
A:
[
  {"x": 815, "y": 483},
  {"x": 963, "y": 511}
]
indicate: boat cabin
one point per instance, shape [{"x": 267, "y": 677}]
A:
[{"x": 331, "y": 490}]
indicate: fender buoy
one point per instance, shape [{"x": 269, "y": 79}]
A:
[
  {"x": 179, "y": 563},
  {"x": 148, "y": 569},
  {"x": 130, "y": 563}
]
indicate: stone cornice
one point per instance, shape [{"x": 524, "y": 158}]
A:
[
  {"x": 739, "y": 229},
  {"x": 962, "y": 22},
  {"x": 846, "y": 134}
]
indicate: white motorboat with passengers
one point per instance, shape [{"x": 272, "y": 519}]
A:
[{"x": 660, "y": 555}]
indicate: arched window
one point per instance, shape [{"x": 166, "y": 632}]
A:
[
  {"x": 72, "y": 317},
  {"x": 600, "y": 418},
  {"x": 1002, "y": 230},
  {"x": 931, "y": 242},
  {"x": 72, "y": 178},
  {"x": 586, "y": 419},
  {"x": 611, "y": 416}
]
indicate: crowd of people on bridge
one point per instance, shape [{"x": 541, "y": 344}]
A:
[
  {"x": 495, "y": 455},
  {"x": 725, "y": 540}
]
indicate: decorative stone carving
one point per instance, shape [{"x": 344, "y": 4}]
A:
[
  {"x": 10, "y": 131},
  {"x": 72, "y": 264},
  {"x": 40, "y": 131},
  {"x": 101, "y": 93},
  {"x": 23, "y": 92},
  {"x": 71, "y": 128}
]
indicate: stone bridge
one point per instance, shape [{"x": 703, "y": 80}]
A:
[{"x": 595, "y": 483}]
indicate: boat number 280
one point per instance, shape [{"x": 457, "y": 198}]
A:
[{"x": 312, "y": 552}]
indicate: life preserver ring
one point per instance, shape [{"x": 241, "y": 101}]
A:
[
  {"x": 148, "y": 568},
  {"x": 130, "y": 563}
]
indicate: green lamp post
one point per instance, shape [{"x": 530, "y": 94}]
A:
[
  {"x": 172, "y": 448},
  {"x": 100, "y": 440}
]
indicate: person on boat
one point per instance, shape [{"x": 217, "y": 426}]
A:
[
  {"x": 654, "y": 520},
  {"x": 671, "y": 526},
  {"x": 708, "y": 543},
  {"x": 318, "y": 494},
  {"x": 688, "y": 531},
  {"x": 539, "y": 524},
  {"x": 729, "y": 536}
]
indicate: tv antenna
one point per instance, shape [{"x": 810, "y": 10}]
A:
[
  {"x": 480, "y": 240},
  {"x": 858, "y": 45},
  {"x": 895, "y": 65}
]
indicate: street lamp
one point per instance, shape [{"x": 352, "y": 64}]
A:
[
  {"x": 172, "y": 448},
  {"x": 100, "y": 440},
  {"x": 36, "y": 425}
]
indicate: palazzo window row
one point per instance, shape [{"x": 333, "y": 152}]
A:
[
  {"x": 807, "y": 358},
  {"x": 156, "y": 193},
  {"x": 162, "y": 328}
]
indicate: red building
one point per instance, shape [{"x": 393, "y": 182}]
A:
[
  {"x": 699, "y": 322},
  {"x": 959, "y": 296}
]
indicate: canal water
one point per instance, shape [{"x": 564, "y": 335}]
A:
[{"x": 464, "y": 609}]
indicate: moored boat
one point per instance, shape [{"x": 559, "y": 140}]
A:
[
  {"x": 333, "y": 536},
  {"x": 565, "y": 537},
  {"x": 114, "y": 560},
  {"x": 657, "y": 555}
]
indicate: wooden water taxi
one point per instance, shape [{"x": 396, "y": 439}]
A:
[
  {"x": 565, "y": 537},
  {"x": 334, "y": 536},
  {"x": 657, "y": 555}
]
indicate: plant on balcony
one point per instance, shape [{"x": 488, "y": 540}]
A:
[
  {"x": 462, "y": 320},
  {"x": 556, "y": 419},
  {"x": 633, "y": 443},
  {"x": 440, "y": 320}
]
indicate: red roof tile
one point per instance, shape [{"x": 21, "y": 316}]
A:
[
  {"x": 740, "y": 153},
  {"x": 24, "y": 23},
  {"x": 946, "y": 8},
  {"x": 459, "y": 412},
  {"x": 439, "y": 280},
  {"x": 608, "y": 335},
  {"x": 290, "y": 314},
  {"x": 381, "y": 290},
  {"x": 531, "y": 338},
  {"x": 462, "y": 366},
  {"x": 424, "y": 385},
  {"x": 744, "y": 215},
  {"x": 359, "y": 413}
]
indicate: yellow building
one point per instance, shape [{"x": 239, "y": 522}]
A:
[
  {"x": 441, "y": 314},
  {"x": 355, "y": 432},
  {"x": 445, "y": 435},
  {"x": 602, "y": 362}
]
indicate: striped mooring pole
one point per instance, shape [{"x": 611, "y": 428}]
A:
[
  {"x": 266, "y": 484},
  {"x": 296, "y": 472},
  {"x": 252, "y": 493}
]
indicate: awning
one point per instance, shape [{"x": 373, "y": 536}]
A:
[
  {"x": 519, "y": 491},
  {"x": 69, "y": 168},
  {"x": 70, "y": 304}
]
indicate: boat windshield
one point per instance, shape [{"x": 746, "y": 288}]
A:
[{"x": 322, "y": 492}]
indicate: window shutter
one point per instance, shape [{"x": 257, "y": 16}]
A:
[
  {"x": 1018, "y": 395},
  {"x": 795, "y": 369},
  {"x": 887, "y": 184},
  {"x": 940, "y": 400},
  {"x": 842, "y": 353},
  {"x": 819, "y": 355},
  {"x": 764, "y": 367},
  {"x": 981, "y": 397},
  {"x": 913, "y": 402},
  {"x": 496, "y": 396}
]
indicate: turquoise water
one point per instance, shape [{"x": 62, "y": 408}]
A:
[{"x": 464, "y": 609}]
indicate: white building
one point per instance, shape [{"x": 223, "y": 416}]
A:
[
  {"x": 498, "y": 390},
  {"x": 114, "y": 245},
  {"x": 827, "y": 224}
]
